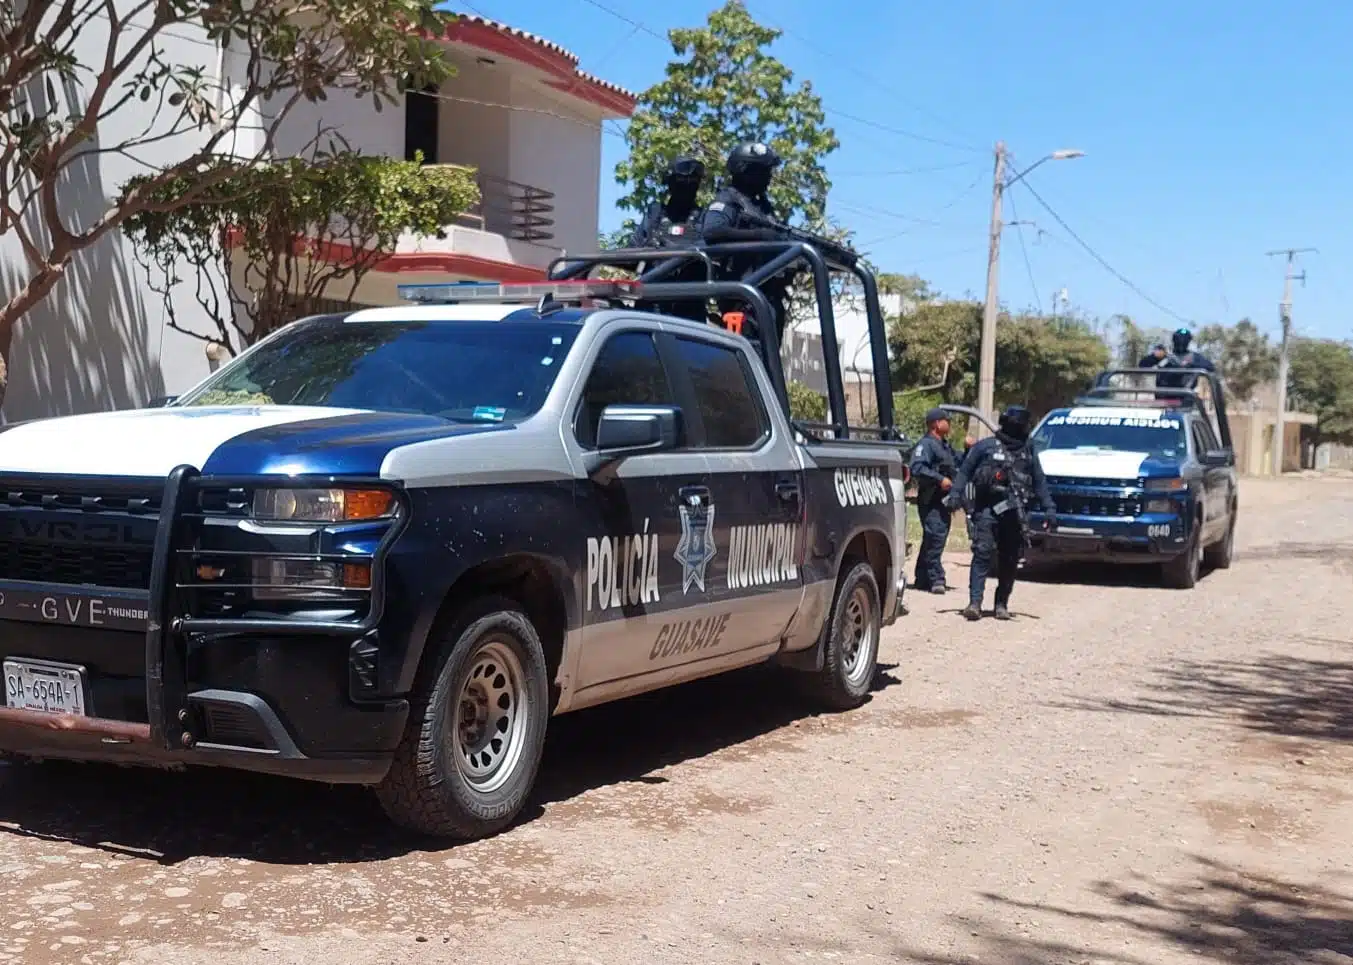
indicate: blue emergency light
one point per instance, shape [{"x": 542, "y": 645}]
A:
[{"x": 457, "y": 292}]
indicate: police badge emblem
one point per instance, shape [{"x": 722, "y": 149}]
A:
[{"x": 696, "y": 548}]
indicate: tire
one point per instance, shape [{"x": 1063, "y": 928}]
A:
[
  {"x": 1183, "y": 572},
  {"x": 1218, "y": 557},
  {"x": 476, "y": 729},
  {"x": 851, "y": 648}
]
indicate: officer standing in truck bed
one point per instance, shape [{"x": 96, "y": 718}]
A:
[{"x": 933, "y": 465}]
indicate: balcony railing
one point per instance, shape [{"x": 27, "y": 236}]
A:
[{"x": 509, "y": 208}]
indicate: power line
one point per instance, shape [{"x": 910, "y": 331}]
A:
[
  {"x": 1097, "y": 257},
  {"x": 902, "y": 172},
  {"x": 1024, "y": 250},
  {"x": 855, "y": 69},
  {"x": 639, "y": 25},
  {"x": 927, "y": 222}
]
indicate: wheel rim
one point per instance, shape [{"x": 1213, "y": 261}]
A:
[
  {"x": 491, "y": 716},
  {"x": 859, "y": 636}
]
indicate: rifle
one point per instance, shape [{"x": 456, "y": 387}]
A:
[{"x": 832, "y": 249}]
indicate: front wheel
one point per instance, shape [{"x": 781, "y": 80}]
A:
[
  {"x": 851, "y": 649},
  {"x": 1182, "y": 572},
  {"x": 476, "y": 728}
]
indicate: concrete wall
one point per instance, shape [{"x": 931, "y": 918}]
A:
[
  {"x": 100, "y": 340},
  {"x": 557, "y": 147}
]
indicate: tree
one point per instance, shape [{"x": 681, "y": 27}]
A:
[
  {"x": 64, "y": 105},
  {"x": 725, "y": 87},
  {"x": 288, "y": 234},
  {"x": 1320, "y": 380},
  {"x": 1243, "y": 354},
  {"x": 1135, "y": 341},
  {"x": 805, "y": 404},
  {"x": 1040, "y": 362}
]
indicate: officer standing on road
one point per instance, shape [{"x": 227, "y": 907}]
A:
[
  {"x": 934, "y": 465},
  {"x": 1005, "y": 477},
  {"x": 736, "y": 211},
  {"x": 675, "y": 219}
]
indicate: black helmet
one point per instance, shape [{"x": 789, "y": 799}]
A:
[
  {"x": 1180, "y": 339},
  {"x": 752, "y": 156},
  {"x": 688, "y": 169},
  {"x": 1016, "y": 421}
]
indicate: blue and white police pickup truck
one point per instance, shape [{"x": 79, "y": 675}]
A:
[
  {"x": 386, "y": 547},
  {"x": 1138, "y": 480}
]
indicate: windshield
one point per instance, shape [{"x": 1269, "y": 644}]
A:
[
  {"x": 462, "y": 371},
  {"x": 1160, "y": 437}
]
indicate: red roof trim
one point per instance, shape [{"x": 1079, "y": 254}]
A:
[
  {"x": 440, "y": 262},
  {"x": 542, "y": 55}
]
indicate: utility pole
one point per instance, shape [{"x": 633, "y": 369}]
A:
[
  {"x": 986, "y": 370},
  {"x": 1285, "y": 315}
]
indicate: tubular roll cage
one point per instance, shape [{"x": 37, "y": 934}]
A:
[
  {"x": 1103, "y": 393},
  {"x": 168, "y": 712},
  {"x": 779, "y": 257}
]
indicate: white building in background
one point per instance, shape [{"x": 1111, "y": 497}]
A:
[
  {"x": 804, "y": 361},
  {"x": 519, "y": 110}
]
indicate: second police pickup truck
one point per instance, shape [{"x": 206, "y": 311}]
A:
[
  {"x": 1140, "y": 475},
  {"x": 386, "y": 547}
]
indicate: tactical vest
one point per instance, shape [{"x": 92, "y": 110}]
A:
[
  {"x": 674, "y": 234},
  {"x": 1007, "y": 472}
]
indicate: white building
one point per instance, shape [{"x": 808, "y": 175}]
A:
[
  {"x": 519, "y": 110},
  {"x": 804, "y": 361}
]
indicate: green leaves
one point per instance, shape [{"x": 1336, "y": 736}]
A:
[
  {"x": 1320, "y": 380},
  {"x": 135, "y": 98},
  {"x": 1244, "y": 355},
  {"x": 1041, "y": 362},
  {"x": 723, "y": 87},
  {"x": 344, "y": 209}
]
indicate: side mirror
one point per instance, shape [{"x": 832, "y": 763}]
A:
[
  {"x": 160, "y": 401},
  {"x": 1219, "y": 457},
  {"x": 628, "y": 430}
]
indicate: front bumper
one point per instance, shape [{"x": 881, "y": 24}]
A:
[
  {"x": 1151, "y": 538},
  {"x": 179, "y": 684}
]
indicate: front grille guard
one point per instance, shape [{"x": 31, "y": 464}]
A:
[{"x": 167, "y": 630}]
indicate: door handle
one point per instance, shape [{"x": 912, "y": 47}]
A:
[
  {"x": 694, "y": 495},
  {"x": 787, "y": 490}
]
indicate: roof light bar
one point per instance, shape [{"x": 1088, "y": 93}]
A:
[{"x": 452, "y": 293}]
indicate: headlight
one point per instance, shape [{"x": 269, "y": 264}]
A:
[
  {"x": 308, "y": 579},
  {"x": 1160, "y": 506},
  {"x": 323, "y": 505},
  {"x": 1173, "y": 483}
]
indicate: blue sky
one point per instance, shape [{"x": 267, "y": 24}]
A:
[{"x": 1213, "y": 133}]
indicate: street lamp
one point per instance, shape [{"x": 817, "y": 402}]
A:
[{"x": 986, "y": 372}]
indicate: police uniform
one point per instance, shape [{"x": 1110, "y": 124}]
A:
[
  {"x": 660, "y": 227},
  {"x": 733, "y": 216},
  {"x": 1004, "y": 474},
  {"x": 932, "y": 461}
]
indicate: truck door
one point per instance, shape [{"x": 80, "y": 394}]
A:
[
  {"x": 634, "y": 523},
  {"x": 1216, "y": 486},
  {"x": 756, "y": 496}
]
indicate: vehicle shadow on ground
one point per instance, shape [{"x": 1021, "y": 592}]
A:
[
  {"x": 1217, "y": 913},
  {"x": 170, "y": 817},
  {"x": 1273, "y": 694},
  {"x": 1134, "y": 576}
]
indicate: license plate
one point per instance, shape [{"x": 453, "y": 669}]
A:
[{"x": 51, "y": 688}]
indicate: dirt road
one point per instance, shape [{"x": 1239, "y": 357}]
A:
[{"x": 1125, "y": 774}]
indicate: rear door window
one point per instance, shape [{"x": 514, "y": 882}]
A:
[{"x": 726, "y": 398}]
